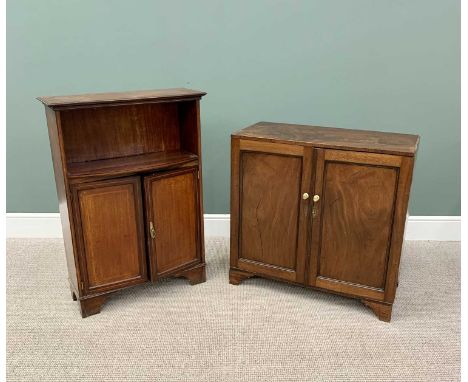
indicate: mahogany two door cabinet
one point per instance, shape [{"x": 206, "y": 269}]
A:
[
  {"x": 321, "y": 207},
  {"x": 128, "y": 174}
]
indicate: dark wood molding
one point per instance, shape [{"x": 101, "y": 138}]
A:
[
  {"x": 331, "y": 137},
  {"x": 121, "y": 98}
]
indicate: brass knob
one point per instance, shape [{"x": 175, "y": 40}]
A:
[
  {"x": 152, "y": 230},
  {"x": 316, "y": 198},
  {"x": 305, "y": 196}
]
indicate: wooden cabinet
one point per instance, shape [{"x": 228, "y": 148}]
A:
[
  {"x": 128, "y": 173},
  {"x": 321, "y": 207}
]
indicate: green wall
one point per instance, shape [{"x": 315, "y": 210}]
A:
[{"x": 390, "y": 65}]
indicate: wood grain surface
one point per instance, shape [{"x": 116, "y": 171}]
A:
[
  {"x": 101, "y": 133},
  {"x": 172, "y": 208},
  {"x": 357, "y": 202},
  {"x": 332, "y": 137},
  {"x": 270, "y": 208},
  {"x": 111, "y": 233},
  {"x": 119, "y": 166},
  {"x": 120, "y": 97}
]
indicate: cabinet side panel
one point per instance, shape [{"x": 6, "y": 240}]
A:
[
  {"x": 190, "y": 136},
  {"x": 270, "y": 190},
  {"x": 58, "y": 159},
  {"x": 357, "y": 216},
  {"x": 398, "y": 229},
  {"x": 234, "y": 202},
  {"x": 189, "y": 126}
]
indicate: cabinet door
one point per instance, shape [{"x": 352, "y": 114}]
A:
[
  {"x": 358, "y": 222},
  {"x": 173, "y": 221},
  {"x": 269, "y": 214},
  {"x": 110, "y": 233}
]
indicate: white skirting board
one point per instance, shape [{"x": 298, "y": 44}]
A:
[{"x": 44, "y": 225}]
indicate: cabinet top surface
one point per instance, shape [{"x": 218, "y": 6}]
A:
[
  {"x": 121, "y": 97},
  {"x": 332, "y": 137}
]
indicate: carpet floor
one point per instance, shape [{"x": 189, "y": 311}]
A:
[{"x": 261, "y": 330}]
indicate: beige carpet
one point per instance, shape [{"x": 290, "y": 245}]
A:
[{"x": 259, "y": 331}]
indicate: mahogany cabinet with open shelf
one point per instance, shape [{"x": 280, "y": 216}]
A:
[
  {"x": 128, "y": 173},
  {"x": 321, "y": 207}
]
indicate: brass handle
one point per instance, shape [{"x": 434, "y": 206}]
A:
[
  {"x": 316, "y": 198},
  {"x": 305, "y": 196},
  {"x": 152, "y": 230}
]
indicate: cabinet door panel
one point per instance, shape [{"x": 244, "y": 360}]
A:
[
  {"x": 356, "y": 222},
  {"x": 110, "y": 233},
  {"x": 272, "y": 214},
  {"x": 352, "y": 229},
  {"x": 269, "y": 214},
  {"x": 173, "y": 212}
]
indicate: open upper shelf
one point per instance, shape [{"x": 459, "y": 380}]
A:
[
  {"x": 130, "y": 164},
  {"x": 124, "y": 139}
]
